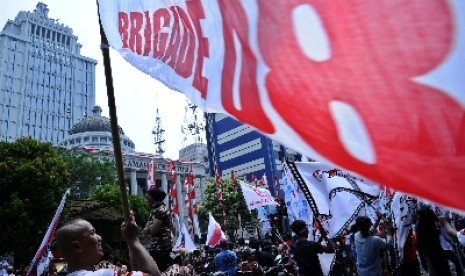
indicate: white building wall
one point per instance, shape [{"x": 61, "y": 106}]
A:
[{"x": 45, "y": 84}]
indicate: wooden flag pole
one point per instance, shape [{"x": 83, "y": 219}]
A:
[{"x": 114, "y": 121}]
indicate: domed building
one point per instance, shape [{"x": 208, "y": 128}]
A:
[
  {"x": 95, "y": 132},
  {"x": 93, "y": 135}
]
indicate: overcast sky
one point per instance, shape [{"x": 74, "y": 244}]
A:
[{"x": 137, "y": 94}]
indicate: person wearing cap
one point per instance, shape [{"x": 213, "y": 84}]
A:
[
  {"x": 81, "y": 246},
  {"x": 306, "y": 252},
  {"x": 226, "y": 260},
  {"x": 158, "y": 227}
]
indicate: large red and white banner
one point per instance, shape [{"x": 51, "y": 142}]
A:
[{"x": 376, "y": 87}]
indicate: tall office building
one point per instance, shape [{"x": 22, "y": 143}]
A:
[
  {"x": 233, "y": 145},
  {"x": 45, "y": 84}
]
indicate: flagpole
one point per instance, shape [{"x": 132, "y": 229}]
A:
[{"x": 113, "y": 119}]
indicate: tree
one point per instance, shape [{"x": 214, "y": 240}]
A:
[
  {"x": 233, "y": 202},
  {"x": 111, "y": 195},
  {"x": 33, "y": 179},
  {"x": 87, "y": 172}
]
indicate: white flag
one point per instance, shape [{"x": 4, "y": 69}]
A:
[
  {"x": 256, "y": 197},
  {"x": 184, "y": 241}
]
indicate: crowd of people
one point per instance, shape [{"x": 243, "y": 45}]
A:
[{"x": 434, "y": 246}]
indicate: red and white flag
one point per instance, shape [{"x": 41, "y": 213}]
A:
[
  {"x": 41, "y": 258},
  {"x": 191, "y": 204},
  {"x": 214, "y": 234},
  {"x": 151, "y": 174},
  {"x": 219, "y": 194},
  {"x": 276, "y": 188},
  {"x": 219, "y": 186},
  {"x": 173, "y": 199},
  {"x": 373, "y": 87},
  {"x": 233, "y": 179}
]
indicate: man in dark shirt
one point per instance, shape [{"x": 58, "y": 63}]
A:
[
  {"x": 264, "y": 256},
  {"x": 158, "y": 227},
  {"x": 306, "y": 252}
]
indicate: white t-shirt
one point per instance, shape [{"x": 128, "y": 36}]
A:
[
  {"x": 102, "y": 272},
  {"x": 461, "y": 236}
]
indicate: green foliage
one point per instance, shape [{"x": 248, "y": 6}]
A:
[
  {"x": 233, "y": 202},
  {"x": 87, "y": 172},
  {"x": 33, "y": 178},
  {"x": 111, "y": 195}
]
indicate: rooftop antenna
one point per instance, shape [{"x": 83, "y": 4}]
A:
[
  {"x": 193, "y": 127},
  {"x": 158, "y": 132}
]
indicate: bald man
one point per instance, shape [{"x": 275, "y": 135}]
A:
[{"x": 82, "y": 248}]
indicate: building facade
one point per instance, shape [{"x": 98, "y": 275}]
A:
[
  {"x": 196, "y": 152},
  {"x": 233, "y": 145},
  {"x": 92, "y": 134},
  {"x": 46, "y": 85}
]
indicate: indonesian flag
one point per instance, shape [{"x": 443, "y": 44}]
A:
[
  {"x": 219, "y": 186},
  {"x": 219, "y": 194},
  {"x": 190, "y": 201},
  {"x": 173, "y": 200},
  {"x": 381, "y": 82},
  {"x": 91, "y": 150},
  {"x": 276, "y": 188},
  {"x": 214, "y": 234},
  {"x": 42, "y": 257},
  {"x": 151, "y": 174},
  {"x": 233, "y": 179},
  {"x": 256, "y": 197}
]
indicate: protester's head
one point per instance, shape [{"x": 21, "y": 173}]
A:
[
  {"x": 240, "y": 241},
  {"x": 364, "y": 224},
  {"x": 267, "y": 246},
  {"x": 299, "y": 227},
  {"x": 224, "y": 244},
  {"x": 154, "y": 196},
  {"x": 254, "y": 243},
  {"x": 425, "y": 215},
  {"x": 79, "y": 243},
  {"x": 124, "y": 268},
  {"x": 353, "y": 228},
  {"x": 288, "y": 237},
  {"x": 248, "y": 254}
]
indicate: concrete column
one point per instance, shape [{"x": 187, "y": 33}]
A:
[{"x": 133, "y": 182}]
